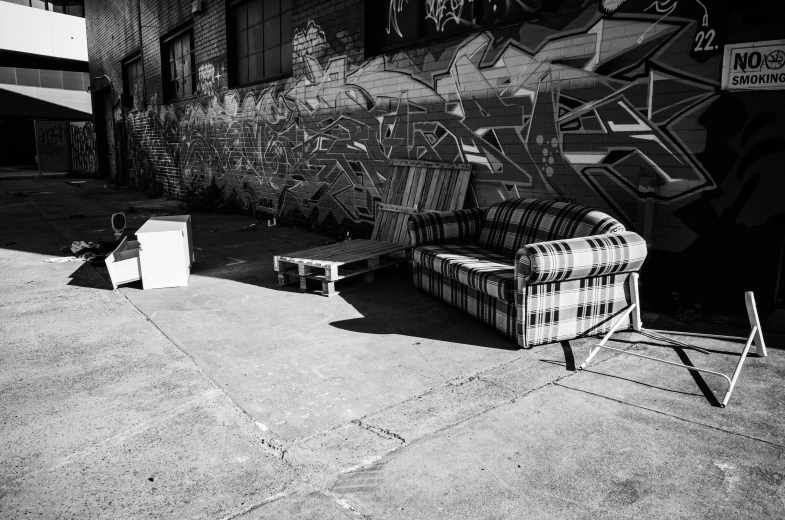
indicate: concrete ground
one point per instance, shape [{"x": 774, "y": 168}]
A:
[
  {"x": 11, "y": 173},
  {"x": 236, "y": 398}
]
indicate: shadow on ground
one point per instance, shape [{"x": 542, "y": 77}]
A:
[{"x": 392, "y": 305}]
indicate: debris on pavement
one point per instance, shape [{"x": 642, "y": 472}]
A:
[
  {"x": 63, "y": 259},
  {"x": 84, "y": 251},
  {"x": 12, "y": 243},
  {"x": 249, "y": 227},
  {"x": 81, "y": 248}
]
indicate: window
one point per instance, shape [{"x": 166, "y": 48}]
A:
[
  {"x": 260, "y": 40},
  {"x": 133, "y": 83},
  {"x": 392, "y": 24},
  {"x": 72, "y": 7},
  {"x": 179, "y": 70}
]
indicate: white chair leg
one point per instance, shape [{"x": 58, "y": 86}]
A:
[
  {"x": 752, "y": 314},
  {"x": 637, "y": 325},
  {"x": 607, "y": 336},
  {"x": 732, "y": 382}
]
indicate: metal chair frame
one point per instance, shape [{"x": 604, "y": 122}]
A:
[{"x": 755, "y": 335}]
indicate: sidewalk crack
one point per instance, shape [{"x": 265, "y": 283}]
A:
[
  {"x": 344, "y": 503},
  {"x": 381, "y": 432}
]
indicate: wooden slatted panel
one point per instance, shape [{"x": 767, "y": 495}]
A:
[
  {"x": 427, "y": 201},
  {"x": 389, "y": 233},
  {"x": 463, "y": 188},
  {"x": 395, "y": 185},
  {"x": 427, "y": 185},
  {"x": 409, "y": 200}
]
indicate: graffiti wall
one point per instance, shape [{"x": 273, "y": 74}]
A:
[
  {"x": 84, "y": 159},
  {"x": 52, "y": 146},
  {"x": 608, "y": 103}
]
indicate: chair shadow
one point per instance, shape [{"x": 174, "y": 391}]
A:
[{"x": 700, "y": 382}]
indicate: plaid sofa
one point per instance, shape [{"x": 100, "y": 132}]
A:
[{"x": 537, "y": 271}]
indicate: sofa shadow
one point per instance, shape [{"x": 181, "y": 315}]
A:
[{"x": 391, "y": 304}]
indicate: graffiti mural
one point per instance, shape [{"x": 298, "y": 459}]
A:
[
  {"x": 594, "y": 104},
  {"x": 84, "y": 159},
  {"x": 52, "y": 140},
  {"x": 208, "y": 80}
]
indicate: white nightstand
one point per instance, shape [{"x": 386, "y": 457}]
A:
[{"x": 165, "y": 251}]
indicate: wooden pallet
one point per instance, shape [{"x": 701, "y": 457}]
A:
[
  {"x": 412, "y": 187},
  {"x": 335, "y": 262}
]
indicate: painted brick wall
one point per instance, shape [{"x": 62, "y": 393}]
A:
[{"x": 606, "y": 103}]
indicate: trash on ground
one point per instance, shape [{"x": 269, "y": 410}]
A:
[
  {"x": 63, "y": 259},
  {"x": 81, "y": 248},
  {"x": 118, "y": 224},
  {"x": 249, "y": 227},
  {"x": 85, "y": 251}
]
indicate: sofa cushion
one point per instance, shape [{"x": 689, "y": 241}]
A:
[
  {"x": 576, "y": 258},
  {"x": 514, "y": 223},
  {"x": 473, "y": 266}
]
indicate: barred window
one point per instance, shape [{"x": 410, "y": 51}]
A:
[
  {"x": 179, "y": 70},
  {"x": 260, "y": 40},
  {"x": 133, "y": 82}
]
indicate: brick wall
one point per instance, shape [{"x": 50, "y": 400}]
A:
[{"x": 602, "y": 103}]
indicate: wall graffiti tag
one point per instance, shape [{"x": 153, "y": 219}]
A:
[
  {"x": 84, "y": 159},
  {"x": 52, "y": 145},
  {"x": 52, "y": 140}
]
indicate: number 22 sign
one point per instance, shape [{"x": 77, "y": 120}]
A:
[{"x": 704, "y": 41}]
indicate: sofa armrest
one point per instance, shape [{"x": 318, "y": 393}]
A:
[
  {"x": 445, "y": 227},
  {"x": 576, "y": 258}
]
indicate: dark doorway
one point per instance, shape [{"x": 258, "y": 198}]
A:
[
  {"x": 17, "y": 142},
  {"x": 100, "y": 100}
]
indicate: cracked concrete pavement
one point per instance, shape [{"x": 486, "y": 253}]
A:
[{"x": 234, "y": 398}]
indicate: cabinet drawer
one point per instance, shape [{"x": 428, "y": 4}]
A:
[{"x": 123, "y": 263}]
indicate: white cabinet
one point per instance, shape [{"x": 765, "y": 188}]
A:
[
  {"x": 123, "y": 263},
  {"x": 165, "y": 251}
]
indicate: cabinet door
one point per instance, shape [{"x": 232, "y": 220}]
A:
[{"x": 161, "y": 259}]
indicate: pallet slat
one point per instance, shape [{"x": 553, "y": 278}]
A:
[
  {"x": 438, "y": 174},
  {"x": 399, "y": 209},
  {"x": 361, "y": 270}
]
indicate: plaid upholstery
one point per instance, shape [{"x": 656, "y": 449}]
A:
[
  {"x": 445, "y": 227},
  {"x": 474, "y": 267},
  {"x": 489, "y": 310},
  {"x": 571, "y": 267},
  {"x": 570, "y": 309},
  {"x": 576, "y": 258},
  {"x": 514, "y": 223}
]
